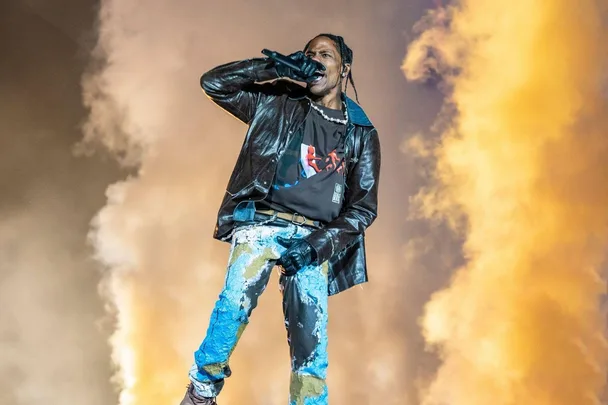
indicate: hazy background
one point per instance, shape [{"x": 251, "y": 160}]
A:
[
  {"x": 163, "y": 269},
  {"x": 114, "y": 164}
]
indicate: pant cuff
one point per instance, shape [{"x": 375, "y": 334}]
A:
[{"x": 207, "y": 389}]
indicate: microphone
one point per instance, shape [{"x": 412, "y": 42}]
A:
[{"x": 287, "y": 61}]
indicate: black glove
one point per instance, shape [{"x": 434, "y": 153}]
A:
[
  {"x": 298, "y": 255},
  {"x": 308, "y": 66}
]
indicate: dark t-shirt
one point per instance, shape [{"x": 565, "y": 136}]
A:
[{"x": 310, "y": 175}]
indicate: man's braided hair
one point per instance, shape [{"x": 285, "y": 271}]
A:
[{"x": 346, "y": 55}]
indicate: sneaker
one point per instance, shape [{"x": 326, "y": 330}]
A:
[{"x": 192, "y": 398}]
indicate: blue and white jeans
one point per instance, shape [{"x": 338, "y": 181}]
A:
[{"x": 253, "y": 255}]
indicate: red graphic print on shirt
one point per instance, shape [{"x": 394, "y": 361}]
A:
[{"x": 311, "y": 162}]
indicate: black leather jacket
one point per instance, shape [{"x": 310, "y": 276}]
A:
[{"x": 274, "y": 111}]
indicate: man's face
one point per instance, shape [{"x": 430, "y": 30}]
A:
[{"x": 325, "y": 51}]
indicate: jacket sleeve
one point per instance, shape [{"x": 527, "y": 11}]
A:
[
  {"x": 232, "y": 86},
  {"x": 361, "y": 204}
]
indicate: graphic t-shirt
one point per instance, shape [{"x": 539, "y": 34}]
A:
[{"x": 310, "y": 175}]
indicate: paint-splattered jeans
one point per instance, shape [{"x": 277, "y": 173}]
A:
[{"x": 252, "y": 257}]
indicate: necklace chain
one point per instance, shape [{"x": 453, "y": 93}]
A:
[{"x": 327, "y": 117}]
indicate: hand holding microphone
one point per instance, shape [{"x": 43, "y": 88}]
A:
[{"x": 296, "y": 66}]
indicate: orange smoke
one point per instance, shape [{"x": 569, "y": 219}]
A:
[{"x": 520, "y": 171}]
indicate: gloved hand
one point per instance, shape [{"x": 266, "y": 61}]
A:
[
  {"x": 298, "y": 255},
  {"x": 309, "y": 67}
]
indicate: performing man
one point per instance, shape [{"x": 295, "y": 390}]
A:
[{"x": 305, "y": 213}]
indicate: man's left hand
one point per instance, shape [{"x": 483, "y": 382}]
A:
[{"x": 298, "y": 255}]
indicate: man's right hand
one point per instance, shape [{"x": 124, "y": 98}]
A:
[{"x": 308, "y": 66}]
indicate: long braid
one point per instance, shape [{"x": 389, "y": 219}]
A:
[{"x": 350, "y": 77}]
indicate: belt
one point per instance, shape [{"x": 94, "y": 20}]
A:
[{"x": 295, "y": 219}]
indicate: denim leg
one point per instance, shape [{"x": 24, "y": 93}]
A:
[
  {"x": 252, "y": 258},
  {"x": 305, "y": 308}
]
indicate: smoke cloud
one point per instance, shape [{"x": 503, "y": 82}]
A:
[
  {"x": 52, "y": 349},
  {"x": 520, "y": 174},
  {"x": 162, "y": 269}
]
